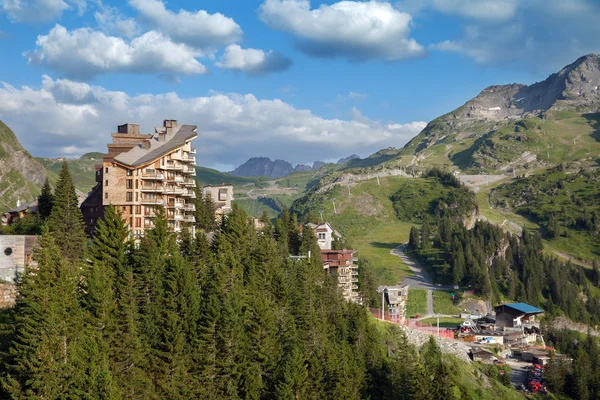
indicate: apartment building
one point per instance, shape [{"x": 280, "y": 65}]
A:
[
  {"x": 343, "y": 265},
  {"x": 396, "y": 299},
  {"x": 325, "y": 234},
  {"x": 141, "y": 172}
]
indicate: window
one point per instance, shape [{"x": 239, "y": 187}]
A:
[
  {"x": 222, "y": 194},
  {"x": 106, "y": 170},
  {"x": 106, "y": 195},
  {"x": 321, "y": 236},
  {"x": 129, "y": 196},
  {"x": 129, "y": 184},
  {"x": 8, "y": 251},
  {"x": 128, "y": 172},
  {"x": 138, "y": 222},
  {"x": 138, "y": 209},
  {"x": 136, "y": 183},
  {"x": 92, "y": 221},
  {"x": 106, "y": 183},
  {"x": 136, "y": 196}
]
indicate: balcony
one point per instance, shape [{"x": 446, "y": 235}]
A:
[
  {"x": 189, "y": 218},
  {"x": 354, "y": 272},
  {"x": 174, "y": 190},
  {"x": 175, "y": 217},
  {"x": 192, "y": 151},
  {"x": 155, "y": 176},
  {"x": 188, "y": 193},
  {"x": 179, "y": 179},
  {"x": 174, "y": 229},
  {"x": 153, "y": 201},
  {"x": 189, "y": 207},
  {"x": 172, "y": 167},
  {"x": 354, "y": 287},
  {"x": 153, "y": 189},
  {"x": 148, "y": 226},
  {"x": 188, "y": 159},
  {"x": 189, "y": 170},
  {"x": 175, "y": 205},
  {"x": 176, "y": 156},
  {"x": 189, "y": 182}
]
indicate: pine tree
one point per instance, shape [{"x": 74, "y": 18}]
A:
[
  {"x": 413, "y": 239},
  {"x": 45, "y": 201},
  {"x": 425, "y": 232},
  {"x": 51, "y": 355},
  {"x": 65, "y": 221}
]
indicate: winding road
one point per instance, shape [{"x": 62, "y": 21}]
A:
[{"x": 420, "y": 280}]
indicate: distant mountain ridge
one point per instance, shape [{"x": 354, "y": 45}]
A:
[{"x": 263, "y": 166}]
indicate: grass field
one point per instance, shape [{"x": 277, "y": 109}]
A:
[
  {"x": 417, "y": 302},
  {"x": 442, "y": 303},
  {"x": 367, "y": 220}
]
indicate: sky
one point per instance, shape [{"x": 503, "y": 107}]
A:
[{"x": 296, "y": 80}]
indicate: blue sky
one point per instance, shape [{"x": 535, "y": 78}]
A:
[{"x": 292, "y": 79}]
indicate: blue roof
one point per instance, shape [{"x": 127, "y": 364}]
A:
[{"x": 524, "y": 308}]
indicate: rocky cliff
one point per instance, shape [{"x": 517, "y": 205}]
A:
[{"x": 21, "y": 175}]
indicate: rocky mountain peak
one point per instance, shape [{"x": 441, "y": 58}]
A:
[{"x": 575, "y": 87}]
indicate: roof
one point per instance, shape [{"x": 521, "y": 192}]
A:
[
  {"x": 31, "y": 205},
  {"x": 523, "y": 307},
  {"x": 138, "y": 156}
]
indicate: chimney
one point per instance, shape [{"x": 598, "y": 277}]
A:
[
  {"x": 170, "y": 124},
  {"x": 145, "y": 144}
]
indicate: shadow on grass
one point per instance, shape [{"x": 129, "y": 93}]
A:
[{"x": 381, "y": 245}]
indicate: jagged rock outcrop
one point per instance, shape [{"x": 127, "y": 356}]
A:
[
  {"x": 21, "y": 175},
  {"x": 263, "y": 166}
]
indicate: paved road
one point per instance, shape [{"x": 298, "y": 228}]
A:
[
  {"x": 420, "y": 280},
  {"x": 518, "y": 375}
]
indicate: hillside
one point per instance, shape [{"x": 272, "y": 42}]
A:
[
  {"x": 563, "y": 202},
  {"x": 21, "y": 176},
  {"x": 516, "y": 127},
  {"x": 82, "y": 169}
]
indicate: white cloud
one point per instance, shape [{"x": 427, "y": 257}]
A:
[
  {"x": 84, "y": 53},
  {"x": 253, "y": 61},
  {"x": 478, "y": 9},
  {"x": 112, "y": 21},
  {"x": 198, "y": 29},
  {"x": 39, "y": 10},
  {"x": 64, "y": 116},
  {"x": 350, "y": 29},
  {"x": 521, "y": 39}
]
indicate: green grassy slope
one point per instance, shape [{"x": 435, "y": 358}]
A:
[
  {"x": 82, "y": 169},
  {"x": 563, "y": 204},
  {"x": 557, "y": 137},
  {"x": 19, "y": 171}
]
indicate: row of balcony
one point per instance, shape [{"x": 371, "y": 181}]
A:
[{"x": 157, "y": 176}]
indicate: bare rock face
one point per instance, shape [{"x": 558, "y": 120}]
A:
[
  {"x": 20, "y": 174},
  {"x": 263, "y": 166},
  {"x": 575, "y": 87}
]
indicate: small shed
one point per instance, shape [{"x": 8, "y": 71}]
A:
[{"x": 483, "y": 355}]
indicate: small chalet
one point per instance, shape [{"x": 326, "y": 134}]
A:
[
  {"x": 20, "y": 211},
  {"x": 483, "y": 355},
  {"x": 516, "y": 315},
  {"x": 325, "y": 234}
]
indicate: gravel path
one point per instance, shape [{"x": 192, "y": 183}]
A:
[{"x": 420, "y": 280}]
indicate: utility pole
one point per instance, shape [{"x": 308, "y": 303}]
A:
[
  {"x": 378, "y": 180},
  {"x": 334, "y": 209},
  {"x": 349, "y": 189},
  {"x": 321, "y": 214}
]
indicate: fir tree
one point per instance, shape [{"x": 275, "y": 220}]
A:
[
  {"x": 45, "y": 201},
  {"x": 413, "y": 239},
  {"x": 425, "y": 232},
  {"x": 65, "y": 221}
]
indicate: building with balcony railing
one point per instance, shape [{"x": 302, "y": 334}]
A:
[
  {"x": 141, "y": 172},
  {"x": 342, "y": 265}
]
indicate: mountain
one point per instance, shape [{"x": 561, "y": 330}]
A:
[
  {"x": 517, "y": 126},
  {"x": 346, "y": 159},
  {"x": 21, "y": 175},
  {"x": 83, "y": 169},
  {"x": 263, "y": 166}
]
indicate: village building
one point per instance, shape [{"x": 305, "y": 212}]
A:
[
  {"x": 395, "y": 298},
  {"x": 222, "y": 196},
  {"x": 482, "y": 355},
  {"x": 20, "y": 211},
  {"x": 142, "y": 172},
  {"x": 325, "y": 234},
  {"x": 343, "y": 265},
  {"x": 516, "y": 315},
  {"x": 16, "y": 252}
]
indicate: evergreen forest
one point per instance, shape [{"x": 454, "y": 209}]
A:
[{"x": 185, "y": 318}]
